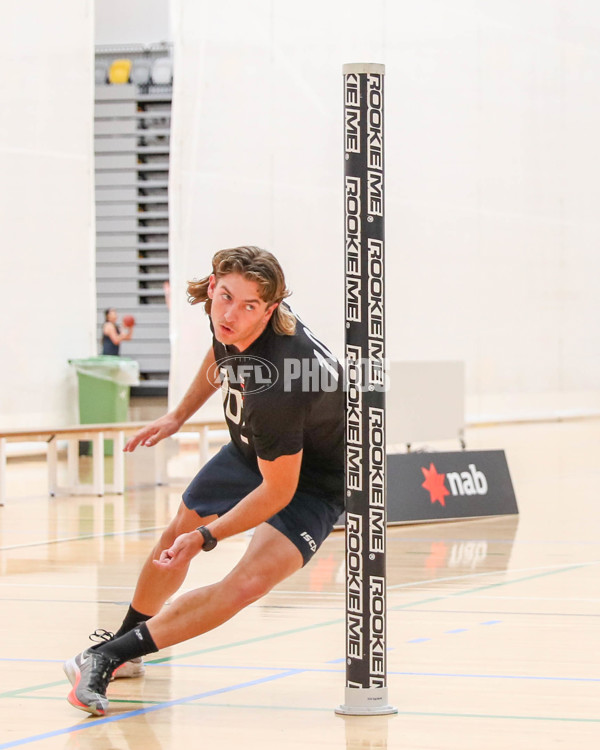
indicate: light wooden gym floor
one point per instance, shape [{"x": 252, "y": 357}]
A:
[{"x": 493, "y": 624}]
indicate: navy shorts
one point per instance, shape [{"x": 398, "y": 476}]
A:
[{"x": 227, "y": 478}]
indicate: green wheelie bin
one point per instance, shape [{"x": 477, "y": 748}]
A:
[{"x": 104, "y": 384}]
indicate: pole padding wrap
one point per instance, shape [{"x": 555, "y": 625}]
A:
[{"x": 366, "y": 679}]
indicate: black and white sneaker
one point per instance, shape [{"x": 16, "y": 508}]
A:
[{"x": 90, "y": 672}]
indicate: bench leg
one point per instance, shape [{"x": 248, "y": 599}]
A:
[
  {"x": 52, "y": 461},
  {"x": 2, "y": 470},
  {"x": 72, "y": 464},
  {"x": 160, "y": 459},
  {"x": 98, "y": 463},
  {"x": 118, "y": 463}
]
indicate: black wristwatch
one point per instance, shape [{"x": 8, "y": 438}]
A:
[{"x": 209, "y": 541}]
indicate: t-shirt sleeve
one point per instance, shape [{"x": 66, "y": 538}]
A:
[{"x": 277, "y": 424}]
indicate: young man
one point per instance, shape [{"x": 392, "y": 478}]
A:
[{"x": 281, "y": 473}]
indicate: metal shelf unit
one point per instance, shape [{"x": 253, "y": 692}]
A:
[{"x": 132, "y": 134}]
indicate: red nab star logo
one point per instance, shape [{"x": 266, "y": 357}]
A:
[{"x": 434, "y": 484}]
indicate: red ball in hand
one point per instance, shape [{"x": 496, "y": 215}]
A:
[{"x": 128, "y": 321}]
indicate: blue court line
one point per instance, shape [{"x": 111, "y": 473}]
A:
[
  {"x": 142, "y": 711},
  {"x": 457, "y": 630}
]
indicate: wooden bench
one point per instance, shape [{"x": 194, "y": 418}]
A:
[{"x": 97, "y": 433}]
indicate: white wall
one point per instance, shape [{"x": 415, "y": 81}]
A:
[
  {"x": 492, "y": 115},
  {"x": 47, "y": 284},
  {"x": 132, "y": 21}
]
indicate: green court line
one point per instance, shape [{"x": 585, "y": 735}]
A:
[
  {"x": 491, "y": 586},
  {"x": 482, "y": 574},
  {"x": 312, "y": 709},
  {"x": 247, "y": 642},
  {"x": 19, "y": 691}
]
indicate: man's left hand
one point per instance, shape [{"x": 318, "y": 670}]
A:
[{"x": 183, "y": 549}]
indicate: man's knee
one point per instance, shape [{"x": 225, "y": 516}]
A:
[
  {"x": 249, "y": 589},
  {"x": 168, "y": 536},
  {"x": 185, "y": 520}
]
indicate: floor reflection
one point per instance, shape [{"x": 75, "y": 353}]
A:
[{"x": 367, "y": 732}]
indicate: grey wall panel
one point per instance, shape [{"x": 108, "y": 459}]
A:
[
  {"x": 115, "y": 145},
  {"x": 114, "y": 109},
  {"x": 148, "y": 336},
  {"x": 115, "y": 209},
  {"x": 154, "y": 363},
  {"x": 158, "y": 231},
  {"x": 116, "y": 161},
  {"x": 107, "y": 272},
  {"x": 145, "y": 348},
  {"x": 116, "y": 240},
  {"x": 105, "y": 225},
  {"x": 126, "y": 125},
  {"x": 116, "y": 286},
  {"x": 148, "y": 318},
  {"x": 123, "y": 300},
  {"x": 106, "y": 256},
  {"x": 109, "y": 194},
  {"x": 111, "y": 93},
  {"x": 116, "y": 178}
]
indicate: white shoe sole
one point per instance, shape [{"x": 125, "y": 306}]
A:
[{"x": 129, "y": 669}]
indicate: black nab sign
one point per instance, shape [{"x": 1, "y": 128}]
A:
[{"x": 438, "y": 486}]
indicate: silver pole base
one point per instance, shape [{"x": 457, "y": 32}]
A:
[{"x": 366, "y": 702}]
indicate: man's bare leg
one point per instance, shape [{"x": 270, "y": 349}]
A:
[
  {"x": 154, "y": 585},
  {"x": 269, "y": 559}
]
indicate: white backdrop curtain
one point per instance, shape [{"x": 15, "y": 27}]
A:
[
  {"x": 492, "y": 117},
  {"x": 47, "y": 299}
]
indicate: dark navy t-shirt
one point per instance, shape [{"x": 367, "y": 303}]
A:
[
  {"x": 107, "y": 345},
  {"x": 284, "y": 394}
]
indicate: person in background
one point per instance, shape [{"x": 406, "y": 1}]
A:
[{"x": 111, "y": 333}]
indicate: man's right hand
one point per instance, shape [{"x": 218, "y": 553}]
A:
[{"x": 153, "y": 433}]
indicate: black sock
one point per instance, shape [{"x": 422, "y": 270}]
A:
[
  {"x": 137, "y": 642},
  {"x": 132, "y": 618}
]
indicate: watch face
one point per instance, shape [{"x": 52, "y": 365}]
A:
[{"x": 209, "y": 541}]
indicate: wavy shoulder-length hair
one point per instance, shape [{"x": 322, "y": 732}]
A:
[{"x": 255, "y": 265}]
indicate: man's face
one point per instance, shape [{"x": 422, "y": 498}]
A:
[{"x": 238, "y": 313}]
